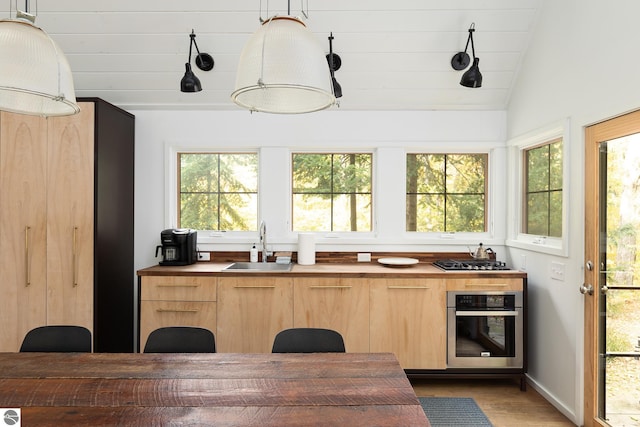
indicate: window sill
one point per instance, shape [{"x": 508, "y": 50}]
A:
[{"x": 539, "y": 244}]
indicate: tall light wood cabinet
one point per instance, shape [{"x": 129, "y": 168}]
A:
[
  {"x": 409, "y": 318},
  {"x": 70, "y": 229},
  {"x": 23, "y": 222},
  {"x": 341, "y": 304},
  {"x": 251, "y": 311},
  {"x": 46, "y": 220},
  {"x": 66, "y": 224}
]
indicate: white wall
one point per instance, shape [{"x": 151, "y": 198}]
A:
[
  {"x": 389, "y": 134},
  {"x": 581, "y": 65}
]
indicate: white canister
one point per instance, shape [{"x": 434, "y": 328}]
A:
[{"x": 306, "y": 249}]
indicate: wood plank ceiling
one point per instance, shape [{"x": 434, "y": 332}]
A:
[{"x": 395, "y": 54}]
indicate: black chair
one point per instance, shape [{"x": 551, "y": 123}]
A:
[
  {"x": 58, "y": 338},
  {"x": 181, "y": 339},
  {"x": 308, "y": 340}
]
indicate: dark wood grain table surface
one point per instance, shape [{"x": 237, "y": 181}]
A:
[{"x": 216, "y": 389}]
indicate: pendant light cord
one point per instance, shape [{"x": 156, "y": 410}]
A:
[
  {"x": 264, "y": 42},
  {"x": 26, "y": 8},
  {"x": 302, "y": 9}
]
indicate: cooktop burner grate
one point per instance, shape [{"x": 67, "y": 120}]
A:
[{"x": 471, "y": 264}]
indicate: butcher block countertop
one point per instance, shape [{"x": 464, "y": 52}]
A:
[{"x": 359, "y": 269}]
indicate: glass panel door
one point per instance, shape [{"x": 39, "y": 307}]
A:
[{"x": 618, "y": 289}]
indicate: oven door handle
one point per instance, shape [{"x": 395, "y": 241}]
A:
[{"x": 498, "y": 313}]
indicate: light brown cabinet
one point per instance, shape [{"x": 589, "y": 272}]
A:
[
  {"x": 408, "y": 318},
  {"x": 46, "y": 222},
  {"x": 251, "y": 311},
  {"x": 176, "y": 301},
  {"x": 485, "y": 284},
  {"x": 402, "y": 315},
  {"x": 334, "y": 303}
]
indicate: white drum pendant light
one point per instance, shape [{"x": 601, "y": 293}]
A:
[
  {"x": 283, "y": 69},
  {"x": 35, "y": 77}
]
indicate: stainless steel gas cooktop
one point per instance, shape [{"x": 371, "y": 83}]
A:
[{"x": 471, "y": 264}]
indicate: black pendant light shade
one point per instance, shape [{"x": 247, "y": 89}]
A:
[
  {"x": 190, "y": 83},
  {"x": 472, "y": 77},
  {"x": 337, "y": 89},
  {"x": 204, "y": 61}
]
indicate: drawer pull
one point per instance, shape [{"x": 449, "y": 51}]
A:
[
  {"x": 409, "y": 287},
  {"x": 178, "y": 286},
  {"x": 255, "y": 287},
  {"x": 330, "y": 287},
  {"x": 164, "y": 310},
  {"x": 486, "y": 285}
]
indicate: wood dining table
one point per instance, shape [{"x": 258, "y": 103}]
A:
[{"x": 208, "y": 389}]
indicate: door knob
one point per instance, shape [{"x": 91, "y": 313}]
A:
[{"x": 586, "y": 289}]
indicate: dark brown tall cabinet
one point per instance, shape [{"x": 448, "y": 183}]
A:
[
  {"x": 114, "y": 274},
  {"x": 66, "y": 224}
]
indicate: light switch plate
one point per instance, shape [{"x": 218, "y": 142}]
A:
[{"x": 557, "y": 271}]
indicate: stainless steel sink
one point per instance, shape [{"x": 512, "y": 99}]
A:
[{"x": 257, "y": 267}]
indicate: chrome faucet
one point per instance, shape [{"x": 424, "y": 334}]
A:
[{"x": 263, "y": 241}]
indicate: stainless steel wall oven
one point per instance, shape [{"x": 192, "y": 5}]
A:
[{"x": 485, "y": 329}]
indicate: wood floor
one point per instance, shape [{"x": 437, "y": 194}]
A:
[{"x": 501, "y": 401}]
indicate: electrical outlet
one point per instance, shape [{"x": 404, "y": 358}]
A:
[
  {"x": 204, "y": 256},
  {"x": 364, "y": 257},
  {"x": 557, "y": 271}
]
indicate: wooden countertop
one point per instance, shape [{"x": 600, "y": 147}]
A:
[
  {"x": 360, "y": 269},
  {"x": 78, "y": 389}
]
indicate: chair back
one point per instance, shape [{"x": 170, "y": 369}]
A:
[
  {"x": 308, "y": 340},
  {"x": 180, "y": 339},
  {"x": 57, "y": 338}
]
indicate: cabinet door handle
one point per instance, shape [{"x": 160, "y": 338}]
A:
[
  {"x": 496, "y": 313},
  {"x": 409, "y": 287},
  {"x": 168, "y": 310},
  {"x": 254, "y": 287},
  {"x": 330, "y": 287},
  {"x": 75, "y": 256},
  {"x": 27, "y": 257},
  {"x": 178, "y": 286}
]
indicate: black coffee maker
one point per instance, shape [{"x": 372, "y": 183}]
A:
[{"x": 178, "y": 246}]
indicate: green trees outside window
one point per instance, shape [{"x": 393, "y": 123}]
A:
[
  {"x": 446, "y": 192},
  {"x": 331, "y": 192},
  {"x": 543, "y": 190},
  {"x": 218, "y": 191}
]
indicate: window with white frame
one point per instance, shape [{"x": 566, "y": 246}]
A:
[
  {"x": 218, "y": 191},
  {"x": 446, "y": 192},
  {"x": 540, "y": 188},
  {"x": 543, "y": 178},
  {"x": 331, "y": 192}
]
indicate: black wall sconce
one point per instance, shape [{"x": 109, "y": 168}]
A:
[
  {"x": 472, "y": 77},
  {"x": 204, "y": 61},
  {"x": 334, "y": 65}
]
